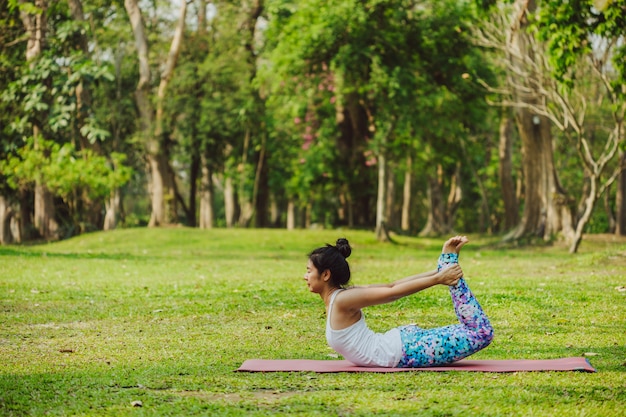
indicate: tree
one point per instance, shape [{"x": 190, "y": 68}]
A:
[
  {"x": 452, "y": 110},
  {"x": 51, "y": 88},
  {"x": 112, "y": 45},
  {"x": 507, "y": 183},
  {"x": 162, "y": 184},
  {"x": 358, "y": 73},
  {"x": 65, "y": 170},
  {"x": 594, "y": 33},
  {"x": 255, "y": 137},
  {"x": 12, "y": 215},
  {"x": 545, "y": 204},
  {"x": 545, "y": 89},
  {"x": 33, "y": 17}
]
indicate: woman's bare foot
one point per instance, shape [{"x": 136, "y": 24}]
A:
[{"x": 454, "y": 244}]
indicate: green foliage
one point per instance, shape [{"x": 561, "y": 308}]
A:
[
  {"x": 216, "y": 90},
  {"x": 11, "y": 57},
  {"x": 392, "y": 63},
  {"x": 573, "y": 29},
  {"x": 47, "y": 91},
  {"x": 164, "y": 317},
  {"x": 24, "y": 7},
  {"x": 64, "y": 170},
  {"x": 406, "y": 67}
]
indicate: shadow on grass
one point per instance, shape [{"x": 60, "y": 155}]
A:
[
  {"x": 207, "y": 254},
  {"x": 31, "y": 253}
]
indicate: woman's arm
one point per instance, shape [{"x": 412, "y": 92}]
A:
[
  {"x": 359, "y": 297},
  {"x": 403, "y": 280}
]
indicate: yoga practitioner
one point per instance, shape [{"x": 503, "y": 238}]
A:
[{"x": 406, "y": 346}]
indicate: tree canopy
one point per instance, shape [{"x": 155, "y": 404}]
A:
[{"x": 378, "y": 114}]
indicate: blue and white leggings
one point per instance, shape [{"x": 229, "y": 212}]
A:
[{"x": 442, "y": 345}]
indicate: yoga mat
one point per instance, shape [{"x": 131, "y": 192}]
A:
[{"x": 507, "y": 365}]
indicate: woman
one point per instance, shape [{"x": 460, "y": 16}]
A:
[{"x": 406, "y": 346}]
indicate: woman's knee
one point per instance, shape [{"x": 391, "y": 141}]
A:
[{"x": 486, "y": 334}]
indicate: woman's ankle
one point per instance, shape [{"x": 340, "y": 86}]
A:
[{"x": 447, "y": 259}]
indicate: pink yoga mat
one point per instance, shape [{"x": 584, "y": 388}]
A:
[{"x": 514, "y": 365}]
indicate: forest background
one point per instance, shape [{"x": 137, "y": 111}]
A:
[{"x": 417, "y": 117}]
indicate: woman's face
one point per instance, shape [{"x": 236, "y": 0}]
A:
[{"x": 313, "y": 278}]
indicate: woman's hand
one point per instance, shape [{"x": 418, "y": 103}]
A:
[{"x": 450, "y": 276}]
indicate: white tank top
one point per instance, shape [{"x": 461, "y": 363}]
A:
[{"x": 362, "y": 346}]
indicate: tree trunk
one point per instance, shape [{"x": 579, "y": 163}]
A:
[
  {"x": 610, "y": 215},
  {"x": 229, "y": 202},
  {"x": 157, "y": 191},
  {"x": 406, "y": 195},
  {"x": 167, "y": 174},
  {"x": 35, "y": 26},
  {"x": 260, "y": 194},
  {"x": 431, "y": 198},
  {"x": 546, "y": 211},
  {"x": 484, "y": 212},
  {"x": 345, "y": 211},
  {"x": 381, "y": 232},
  {"x": 44, "y": 217},
  {"x": 113, "y": 205},
  {"x": 6, "y": 214},
  {"x": 590, "y": 203},
  {"x": 112, "y": 210},
  {"x": 307, "y": 216},
  {"x": 162, "y": 181},
  {"x": 620, "y": 199},
  {"x": 442, "y": 211},
  {"x": 5, "y": 235},
  {"x": 434, "y": 221},
  {"x": 44, "y": 220},
  {"x": 351, "y": 143},
  {"x": 199, "y": 165},
  {"x": 206, "y": 197},
  {"x": 256, "y": 206},
  {"x": 545, "y": 203},
  {"x": 535, "y": 177},
  {"x": 291, "y": 215},
  {"x": 390, "y": 194},
  {"x": 505, "y": 171},
  {"x": 384, "y": 199},
  {"x": 92, "y": 210},
  {"x": 194, "y": 172},
  {"x": 454, "y": 200},
  {"x": 274, "y": 211},
  {"x": 26, "y": 210},
  {"x": 247, "y": 208},
  {"x": 10, "y": 223}
]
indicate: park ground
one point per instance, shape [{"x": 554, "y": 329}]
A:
[{"x": 154, "y": 322}]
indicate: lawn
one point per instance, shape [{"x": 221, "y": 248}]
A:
[{"x": 102, "y": 323}]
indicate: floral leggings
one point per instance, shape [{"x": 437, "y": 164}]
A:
[{"x": 432, "y": 347}]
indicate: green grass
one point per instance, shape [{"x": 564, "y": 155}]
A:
[{"x": 91, "y": 324}]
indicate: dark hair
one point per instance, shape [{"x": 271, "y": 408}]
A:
[{"x": 333, "y": 258}]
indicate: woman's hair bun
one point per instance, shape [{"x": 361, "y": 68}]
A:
[{"x": 343, "y": 247}]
